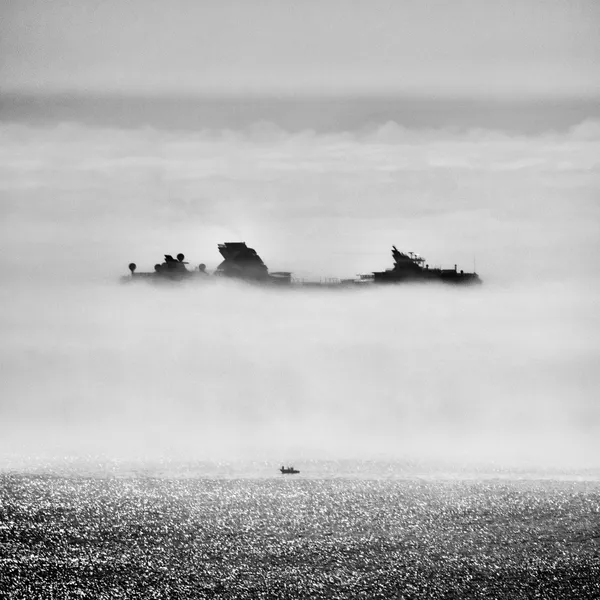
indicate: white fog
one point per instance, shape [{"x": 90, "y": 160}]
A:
[{"x": 504, "y": 373}]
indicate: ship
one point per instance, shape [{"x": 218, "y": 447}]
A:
[
  {"x": 410, "y": 267},
  {"x": 240, "y": 262}
]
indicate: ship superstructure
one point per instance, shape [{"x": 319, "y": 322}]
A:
[
  {"x": 242, "y": 262},
  {"x": 169, "y": 270}
]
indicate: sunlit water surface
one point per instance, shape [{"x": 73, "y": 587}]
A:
[{"x": 337, "y": 530}]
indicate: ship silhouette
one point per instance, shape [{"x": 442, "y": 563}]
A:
[
  {"x": 243, "y": 263},
  {"x": 288, "y": 471},
  {"x": 409, "y": 267}
]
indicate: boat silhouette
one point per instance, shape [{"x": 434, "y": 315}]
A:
[
  {"x": 241, "y": 262},
  {"x": 410, "y": 267},
  {"x": 288, "y": 471}
]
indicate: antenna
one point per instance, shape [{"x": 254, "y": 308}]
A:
[{"x": 474, "y": 265}]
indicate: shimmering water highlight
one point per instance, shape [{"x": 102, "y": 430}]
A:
[{"x": 300, "y": 537}]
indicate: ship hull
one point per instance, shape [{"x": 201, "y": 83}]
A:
[{"x": 389, "y": 277}]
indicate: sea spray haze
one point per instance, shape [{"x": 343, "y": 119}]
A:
[{"x": 505, "y": 373}]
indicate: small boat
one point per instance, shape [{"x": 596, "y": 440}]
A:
[{"x": 288, "y": 471}]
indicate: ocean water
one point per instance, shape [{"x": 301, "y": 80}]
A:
[{"x": 342, "y": 530}]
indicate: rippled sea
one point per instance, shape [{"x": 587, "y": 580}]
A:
[{"x": 230, "y": 532}]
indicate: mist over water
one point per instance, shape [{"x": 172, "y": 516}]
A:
[
  {"x": 229, "y": 372},
  {"x": 504, "y": 373}
]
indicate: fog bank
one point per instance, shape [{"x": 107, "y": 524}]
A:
[{"x": 506, "y": 372}]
